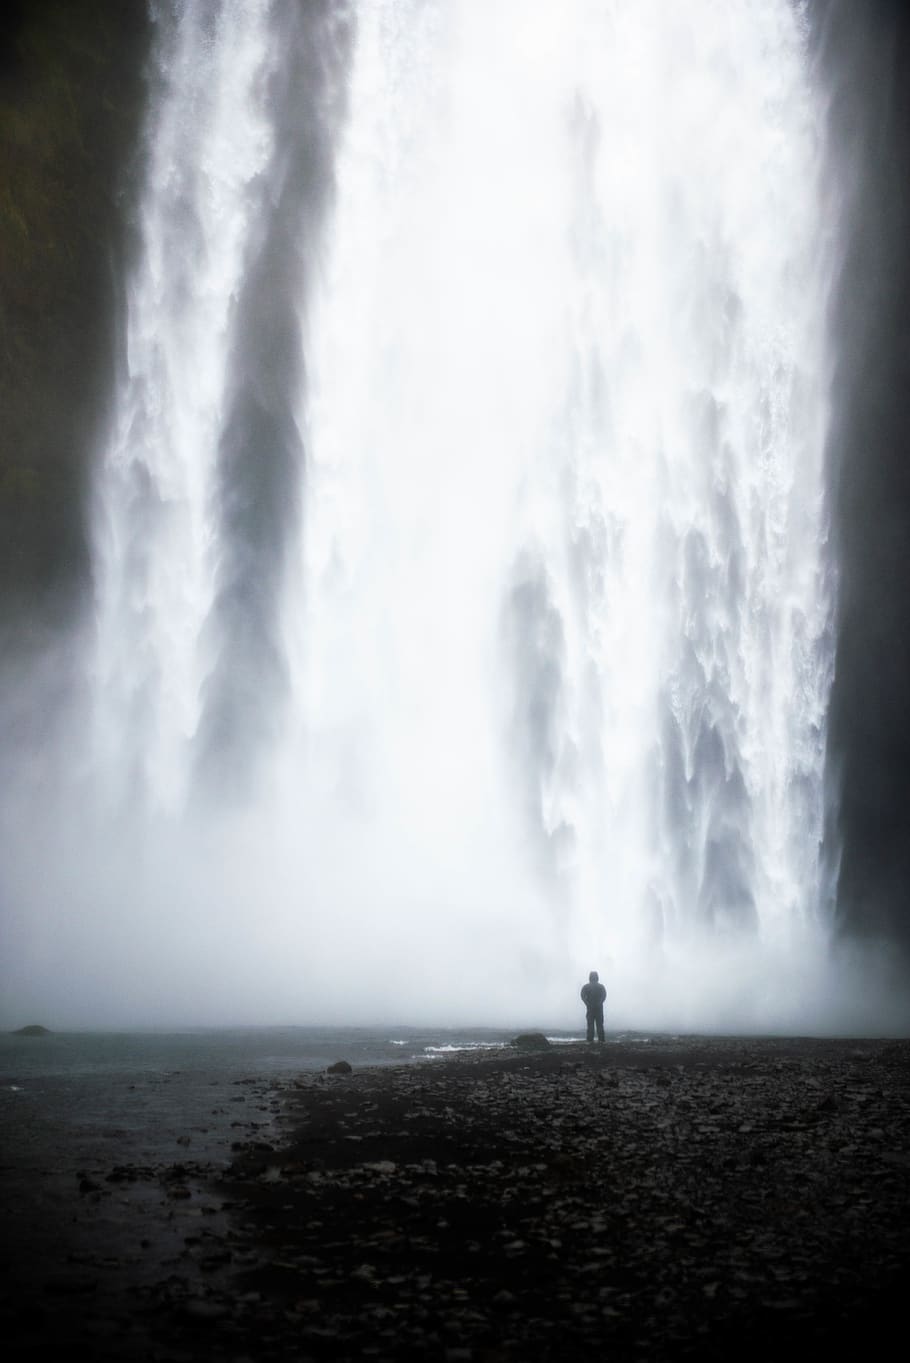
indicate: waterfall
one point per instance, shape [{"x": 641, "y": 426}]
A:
[
  {"x": 464, "y": 597},
  {"x": 198, "y": 489}
]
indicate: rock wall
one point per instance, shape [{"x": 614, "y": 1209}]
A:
[
  {"x": 71, "y": 96},
  {"x": 864, "y": 54}
]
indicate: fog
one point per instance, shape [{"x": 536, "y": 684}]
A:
[
  {"x": 222, "y": 919},
  {"x": 208, "y": 924},
  {"x": 469, "y": 588}
]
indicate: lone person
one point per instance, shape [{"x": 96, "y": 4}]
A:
[{"x": 593, "y": 995}]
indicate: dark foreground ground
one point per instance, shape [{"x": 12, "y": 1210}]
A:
[{"x": 683, "y": 1198}]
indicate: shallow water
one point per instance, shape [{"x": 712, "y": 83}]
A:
[
  {"x": 97, "y": 1127},
  {"x": 142, "y": 1096}
]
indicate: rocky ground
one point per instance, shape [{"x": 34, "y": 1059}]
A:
[{"x": 682, "y": 1198}]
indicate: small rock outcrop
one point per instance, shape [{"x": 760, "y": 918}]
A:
[
  {"x": 33, "y": 1029},
  {"x": 531, "y": 1041},
  {"x": 339, "y": 1067}
]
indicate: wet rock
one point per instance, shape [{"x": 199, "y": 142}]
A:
[
  {"x": 531, "y": 1041},
  {"x": 121, "y": 1173},
  {"x": 70, "y": 1284},
  {"x": 339, "y": 1067},
  {"x": 200, "y": 1311},
  {"x": 218, "y": 1259},
  {"x": 494, "y": 1208}
]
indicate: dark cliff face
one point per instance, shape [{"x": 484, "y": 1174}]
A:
[
  {"x": 71, "y": 95},
  {"x": 863, "y": 56}
]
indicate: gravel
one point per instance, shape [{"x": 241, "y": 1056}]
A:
[{"x": 683, "y": 1197}]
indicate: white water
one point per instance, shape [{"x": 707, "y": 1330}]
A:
[
  {"x": 553, "y": 634},
  {"x": 156, "y": 543}
]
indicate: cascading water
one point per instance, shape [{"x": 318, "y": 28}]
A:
[{"x": 464, "y": 598}]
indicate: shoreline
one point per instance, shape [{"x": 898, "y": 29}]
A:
[{"x": 676, "y": 1197}]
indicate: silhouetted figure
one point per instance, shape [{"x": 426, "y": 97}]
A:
[{"x": 593, "y": 996}]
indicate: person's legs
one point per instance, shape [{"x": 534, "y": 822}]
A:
[
  {"x": 590, "y": 1022},
  {"x": 600, "y": 1027}
]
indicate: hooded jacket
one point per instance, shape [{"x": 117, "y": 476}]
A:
[{"x": 593, "y": 996}]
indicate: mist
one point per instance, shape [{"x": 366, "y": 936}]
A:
[
  {"x": 227, "y": 918},
  {"x": 474, "y": 561}
]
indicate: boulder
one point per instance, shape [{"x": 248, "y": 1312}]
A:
[
  {"x": 531, "y": 1041},
  {"x": 339, "y": 1067}
]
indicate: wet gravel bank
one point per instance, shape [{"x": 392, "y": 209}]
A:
[{"x": 678, "y": 1198}]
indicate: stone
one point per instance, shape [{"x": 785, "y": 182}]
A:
[
  {"x": 70, "y": 1284},
  {"x": 531, "y": 1041},
  {"x": 339, "y": 1067}
]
